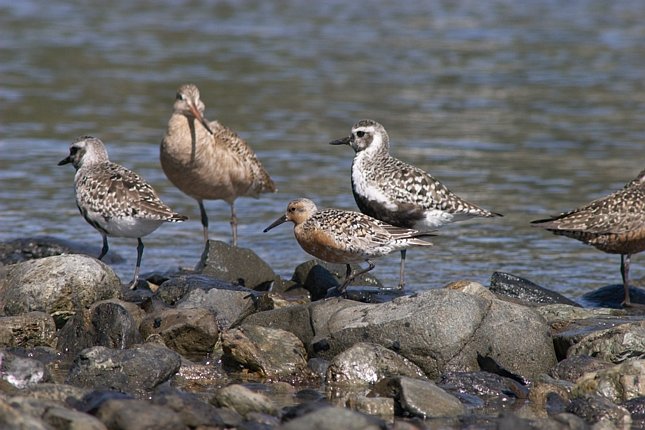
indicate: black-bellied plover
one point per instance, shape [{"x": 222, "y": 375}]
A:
[
  {"x": 614, "y": 224},
  {"x": 398, "y": 193},
  {"x": 114, "y": 200},
  {"x": 346, "y": 237},
  {"x": 207, "y": 160}
]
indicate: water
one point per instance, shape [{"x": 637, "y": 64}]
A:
[{"x": 526, "y": 108}]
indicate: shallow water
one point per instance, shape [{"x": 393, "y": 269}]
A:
[{"x": 526, "y": 108}]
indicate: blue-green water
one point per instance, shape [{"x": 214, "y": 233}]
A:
[{"x": 526, "y": 108}]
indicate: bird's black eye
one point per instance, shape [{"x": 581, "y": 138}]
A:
[
  {"x": 73, "y": 150},
  {"x": 360, "y": 133},
  {"x": 180, "y": 96},
  {"x": 292, "y": 209}
]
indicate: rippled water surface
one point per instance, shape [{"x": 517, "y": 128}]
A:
[{"x": 526, "y": 108}]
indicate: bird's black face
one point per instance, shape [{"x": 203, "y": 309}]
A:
[
  {"x": 76, "y": 152},
  {"x": 361, "y": 138}
]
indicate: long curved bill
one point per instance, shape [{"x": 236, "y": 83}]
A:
[
  {"x": 342, "y": 141},
  {"x": 199, "y": 117},
  {"x": 276, "y": 223}
]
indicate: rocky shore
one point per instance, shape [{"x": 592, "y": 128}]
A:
[{"x": 231, "y": 345}]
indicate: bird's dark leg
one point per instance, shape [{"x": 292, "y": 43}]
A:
[
  {"x": 138, "y": 266},
  {"x": 349, "y": 277},
  {"x": 105, "y": 248},
  {"x": 234, "y": 223},
  {"x": 624, "y": 272},
  {"x": 202, "y": 212},
  {"x": 402, "y": 270}
]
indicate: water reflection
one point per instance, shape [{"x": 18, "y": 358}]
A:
[{"x": 527, "y": 108}]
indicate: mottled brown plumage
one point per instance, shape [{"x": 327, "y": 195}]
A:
[
  {"x": 207, "y": 160},
  {"x": 614, "y": 224},
  {"x": 345, "y": 237},
  {"x": 115, "y": 200}
]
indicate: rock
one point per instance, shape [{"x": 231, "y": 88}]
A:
[
  {"x": 382, "y": 407},
  {"x": 419, "y": 397},
  {"x": 58, "y": 285},
  {"x": 273, "y": 353},
  {"x": 472, "y": 288},
  {"x": 572, "y": 368},
  {"x": 439, "y": 330},
  {"x": 111, "y": 323},
  {"x": 611, "y": 296},
  {"x": 549, "y": 396},
  {"x": 56, "y": 414},
  {"x": 138, "y": 415},
  {"x": 61, "y": 393},
  {"x": 243, "y": 401},
  {"x": 191, "y": 409},
  {"x": 318, "y": 277},
  {"x": 505, "y": 284},
  {"x": 27, "y": 330},
  {"x": 116, "y": 323},
  {"x": 240, "y": 266},
  {"x": 228, "y": 302},
  {"x": 137, "y": 370},
  {"x": 636, "y": 407},
  {"x": 559, "y": 315},
  {"x": 618, "y": 383},
  {"x": 494, "y": 390},
  {"x": 192, "y": 332},
  {"x": 614, "y": 344},
  {"x": 92, "y": 400},
  {"x": 21, "y": 372},
  {"x": 331, "y": 418},
  {"x": 31, "y": 248},
  {"x": 12, "y": 417},
  {"x": 366, "y": 363},
  {"x": 594, "y": 408},
  {"x": 199, "y": 377}
]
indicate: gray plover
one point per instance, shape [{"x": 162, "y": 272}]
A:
[
  {"x": 398, "y": 193},
  {"x": 346, "y": 237},
  {"x": 114, "y": 200},
  {"x": 207, "y": 160},
  {"x": 614, "y": 224}
]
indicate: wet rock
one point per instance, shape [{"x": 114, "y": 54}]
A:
[
  {"x": 273, "y": 353},
  {"x": 618, "y": 383},
  {"x": 572, "y": 368},
  {"x": 549, "y": 396},
  {"x": 505, "y": 284},
  {"x": 240, "y": 266},
  {"x": 138, "y": 415},
  {"x": 92, "y": 400},
  {"x": 191, "y": 409},
  {"x": 243, "y": 400},
  {"x": 419, "y": 397},
  {"x": 331, "y": 418},
  {"x": 21, "y": 372},
  {"x": 192, "y": 332},
  {"x": 611, "y": 296},
  {"x": 366, "y": 363},
  {"x": 594, "y": 408},
  {"x": 199, "y": 377},
  {"x": 228, "y": 302},
  {"x": 31, "y": 248},
  {"x": 493, "y": 390},
  {"x": 111, "y": 323},
  {"x": 636, "y": 407},
  {"x": 439, "y": 330},
  {"x": 116, "y": 323},
  {"x": 616, "y": 343},
  {"x": 58, "y": 285},
  {"x": 27, "y": 330},
  {"x": 137, "y": 370},
  {"x": 318, "y": 277}
]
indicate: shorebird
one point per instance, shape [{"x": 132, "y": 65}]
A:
[
  {"x": 207, "y": 160},
  {"x": 115, "y": 200},
  {"x": 398, "y": 193},
  {"x": 614, "y": 224},
  {"x": 346, "y": 237}
]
